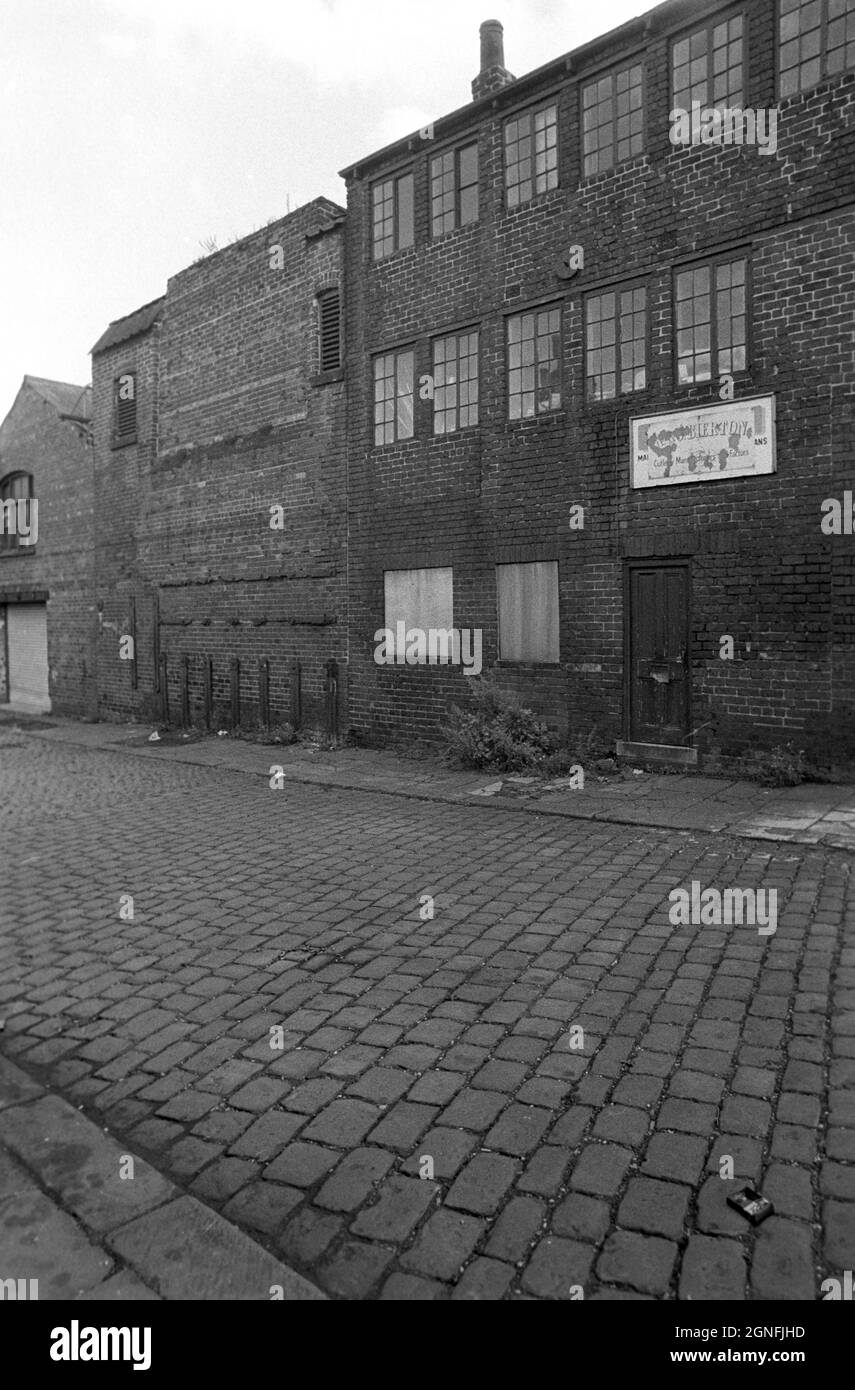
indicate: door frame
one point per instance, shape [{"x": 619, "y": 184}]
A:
[{"x": 655, "y": 562}]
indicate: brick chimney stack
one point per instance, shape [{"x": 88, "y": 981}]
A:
[{"x": 493, "y": 75}]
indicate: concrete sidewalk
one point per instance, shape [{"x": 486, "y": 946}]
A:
[
  {"x": 811, "y": 814},
  {"x": 87, "y": 1220}
]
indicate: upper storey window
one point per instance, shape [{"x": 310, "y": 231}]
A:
[
  {"x": 712, "y": 320},
  {"x": 534, "y": 363},
  {"x": 454, "y": 189},
  {"x": 613, "y": 119},
  {"x": 708, "y": 66},
  {"x": 125, "y": 409},
  {"x": 816, "y": 39},
  {"x": 394, "y": 218},
  {"x": 16, "y": 491},
  {"x": 531, "y": 155}
]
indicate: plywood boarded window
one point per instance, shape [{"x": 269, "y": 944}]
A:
[
  {"x": 528, "y": 612},
  {"x": 419, "y": 599}
]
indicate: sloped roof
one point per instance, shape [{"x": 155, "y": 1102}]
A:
[
  {"x": 132, "y": 324},
  {"x": 75, "y": 402}
]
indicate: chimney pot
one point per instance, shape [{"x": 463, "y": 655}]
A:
[
  {"x": 493, "y": 75},
  {"x": 492, "y": 45}
]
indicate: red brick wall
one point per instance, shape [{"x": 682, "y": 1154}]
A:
[
  {"x": 33, "y": 439},
  {"x": 760, "y": 564},
  {"x": 243, "y": 423}
]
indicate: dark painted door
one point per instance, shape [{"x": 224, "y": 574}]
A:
[{"x": 658, "y": 650}]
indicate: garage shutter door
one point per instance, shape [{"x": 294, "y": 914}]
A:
[{"x": 28, "y": 660}]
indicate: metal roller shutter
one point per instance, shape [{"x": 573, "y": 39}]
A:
[{"x": 28, "y": 657}]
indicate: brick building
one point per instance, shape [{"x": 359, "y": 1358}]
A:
[
  {"x": 218, "y": 421},
  {"x": 601, "y": 372},
  {"x": 47, "y": 636}
]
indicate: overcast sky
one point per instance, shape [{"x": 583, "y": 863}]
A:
[{"x": 131, "y": 131}]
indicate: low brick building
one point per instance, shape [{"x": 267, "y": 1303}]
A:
[
  {"x": 601, "y": 373},
  {"x": 220, "y": 481},
  {"x": 47, "y": 620}
]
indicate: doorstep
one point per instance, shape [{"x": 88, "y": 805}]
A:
[{"x": 662, "y": 754}]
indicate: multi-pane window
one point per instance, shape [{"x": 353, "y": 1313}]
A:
[
  {"x": 707, "y": 66},
  {"x": 454, "y": 189},
  {"x": 616, "y": 343},
  {"x": 394, "y": 221},
  {"x": 613, "y": 119},
  {"x": 816, "y": 39},
  {"x": 455, "y": 382},
  {"x": 712, "y": 322},
  {"x": 528, "y": 612},
  {"x": 531, "y": 155},
  {"x": 393, "y": 397},
  {"x": 125, "y": 408},
  {"x": 14, "y": 488},
  {"x": 329, "y": 330},
  {"x": 534, "y": 363}
]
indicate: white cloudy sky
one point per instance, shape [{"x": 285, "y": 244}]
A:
[{"x": 133, "y": 130}]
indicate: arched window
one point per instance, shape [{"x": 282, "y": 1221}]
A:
[{"x": 14, "y": 488}]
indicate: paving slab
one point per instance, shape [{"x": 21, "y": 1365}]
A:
[
  {"x": 76, "y": 1160},
  {"x": 189, "y": 1252},
  {"x": 809, "y": 813},
  {"x": 68, "y": 1236}
]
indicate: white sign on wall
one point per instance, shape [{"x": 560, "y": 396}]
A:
[{"x": 733, "y": 440}]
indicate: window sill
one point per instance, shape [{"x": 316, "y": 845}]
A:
[
  {"x": 531, "y": 202},
  {"x": 532, "y": 666},
  {"x": 327, "y": 378},
  {"x": 613, "y": 170},
  {"x": 559, "y": 413},
  {"x": 454, "y": 231},
  {"x": 384, "y": 260},
  {"x": 625, "y": 398},
  {"x": 124, "y": 442}
]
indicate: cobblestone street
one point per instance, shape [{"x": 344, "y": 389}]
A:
[{"x": 553, "y": 1167}]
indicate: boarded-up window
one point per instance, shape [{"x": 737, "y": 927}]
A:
[
  {"x": 528, "y": 612},
  {"x": 419, "y": 599},
  {"x": 126, "y": 408},
  {"x": 329, "y": 315}
]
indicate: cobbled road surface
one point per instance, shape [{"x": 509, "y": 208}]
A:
[{"x": 561, "y": 1162}]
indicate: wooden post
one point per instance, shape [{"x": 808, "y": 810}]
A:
[
  {"x": 296, "y": 714},
  {"x": 208, "y": 680},
  {"x": 331, "y": 686},
  {"x": 185, "y": 691},
  {"x": 235, "y": 691},
  {"x": 264, "y": 693},
  {"x": 155, "y": 640},
  {"x": 134, "y": 666},
  {"x": 164, "y": 688}
]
